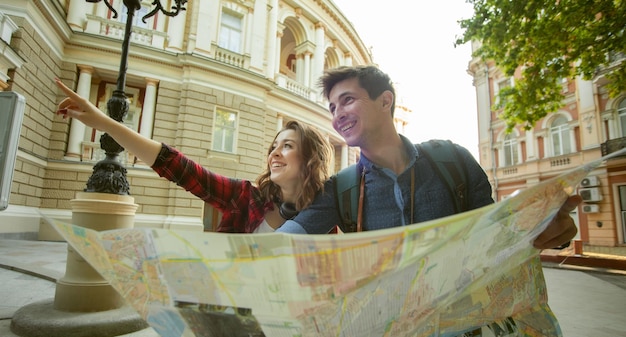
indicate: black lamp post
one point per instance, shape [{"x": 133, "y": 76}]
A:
[{"x": 109, "y": 175}]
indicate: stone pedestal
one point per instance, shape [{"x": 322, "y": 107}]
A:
[{"x": 85, "y": 304}]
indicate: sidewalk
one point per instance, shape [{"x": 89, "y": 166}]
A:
[
  {"x": 28, "y": 274},
  {"x": 29, "y": 270}
]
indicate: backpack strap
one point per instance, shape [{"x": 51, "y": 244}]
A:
[
  {"x": 347, "y": 186},
  {"x": 444, "y": 159}
]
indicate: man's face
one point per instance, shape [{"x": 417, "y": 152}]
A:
[{"x": 355, "y": 115}]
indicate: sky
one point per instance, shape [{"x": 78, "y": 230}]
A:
[{"x": 413, "y": 42}]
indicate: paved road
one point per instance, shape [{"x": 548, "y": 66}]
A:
[{"x": 587, "y": 304}]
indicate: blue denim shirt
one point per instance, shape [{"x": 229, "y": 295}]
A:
[{"x": 388, "y": 196}]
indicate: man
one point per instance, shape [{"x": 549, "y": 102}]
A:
[{"x": 401, "y": 186}]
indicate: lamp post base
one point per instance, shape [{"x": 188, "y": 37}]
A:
[
  {"x": 85, "y": 304},
  {"x": 41, "y": 319}
]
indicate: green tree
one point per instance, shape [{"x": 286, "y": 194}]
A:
[{"x": 549, "y": 40}]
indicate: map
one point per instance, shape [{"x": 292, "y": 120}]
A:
[{"x": 446, "y": 277}]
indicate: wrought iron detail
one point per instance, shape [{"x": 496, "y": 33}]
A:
[
  {"x": 177, "y": 7},
  {"x": 109, "y": 176}
]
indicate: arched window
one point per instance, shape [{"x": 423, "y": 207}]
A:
[
  {"x": 560, "y": 136},
  {"x": 509, "y": 149}
]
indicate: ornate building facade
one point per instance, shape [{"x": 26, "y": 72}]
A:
[
  {"x": 588, "y": 125},
  {"x": 216, "y": 81}
]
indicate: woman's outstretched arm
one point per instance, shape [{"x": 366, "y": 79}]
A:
[{"x": 75, "y": 106}]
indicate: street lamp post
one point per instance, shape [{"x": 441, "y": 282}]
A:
[{"x": 109, "y": 175}]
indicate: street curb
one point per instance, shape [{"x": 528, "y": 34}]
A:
[{"x": 576, "y": 267}]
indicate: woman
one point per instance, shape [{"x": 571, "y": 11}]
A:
[{"x": 298, "y": 164}]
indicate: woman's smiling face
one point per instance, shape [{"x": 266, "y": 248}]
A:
[{"x": 285, "y": 159}]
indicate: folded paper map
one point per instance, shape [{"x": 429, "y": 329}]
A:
[{"x": 444, "y": 277}]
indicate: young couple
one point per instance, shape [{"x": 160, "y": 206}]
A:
[{"x": 400, "y": 186}]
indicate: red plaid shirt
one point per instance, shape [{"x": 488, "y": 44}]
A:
[{"x": 241, "y": 203}]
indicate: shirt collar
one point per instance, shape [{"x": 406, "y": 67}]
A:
[{"x": 408, "y": 147}]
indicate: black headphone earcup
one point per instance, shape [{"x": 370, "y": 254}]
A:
[{"x": 288, "y": 210}]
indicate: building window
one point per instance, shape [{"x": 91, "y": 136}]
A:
[
  {"x": 501, "y": 85},
  {"x": 224, "y": 131},
  {"x": 560, "y": 136},
  {"x": 137, "y": 17},
  {"x": 509, "y": 147},
  {"x": 621, "y": 114},
  {"x": 230, "y": 32}
]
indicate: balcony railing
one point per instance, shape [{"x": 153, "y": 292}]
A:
[
  {"x": 564, "y": 161},
  {"x": 540, "y": 167},
  {"x": 613, "y": 145},
  {"x": 231, "y": 58},
  {"x": 115, "y": 29},
  {"x": 295, "y": 87},
  {"x": 509, "y": 171}
]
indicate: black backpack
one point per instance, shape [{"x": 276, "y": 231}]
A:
[{"x": 442, "y": 156}]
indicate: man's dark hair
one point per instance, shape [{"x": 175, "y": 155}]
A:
[{"x": 372, "y": 79}]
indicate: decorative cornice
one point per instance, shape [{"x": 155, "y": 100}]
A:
[{"x": 344, "y": 24}]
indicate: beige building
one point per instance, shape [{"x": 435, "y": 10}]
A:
[
  {"x": 216, "y": 81},
  {"x": 588, "y": 125}
]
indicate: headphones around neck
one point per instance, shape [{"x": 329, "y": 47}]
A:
[{"x": 287, "y": 210}]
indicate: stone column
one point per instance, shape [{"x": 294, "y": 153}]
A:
[
  {"x": 344, "y": 155},
  {"x": 300, "y": 68},
  {"x": 272, "y": 26},
  {"x": 531, "y": 152},
  {"x": 307, "y": 69},
  {"x": 318, "y": 55},
  {"x": 249, "y": 24},
  {"x": 147, "y": 114},
  {"x": 279, "y": 123},
  {"x": 279, "y": 36},
  {"x": 77, "y": 128}
]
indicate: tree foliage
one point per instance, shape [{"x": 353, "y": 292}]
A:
[{"x": 549, "y": 40}]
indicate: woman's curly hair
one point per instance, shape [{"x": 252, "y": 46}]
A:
[{"x": 316, "y": 153}]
